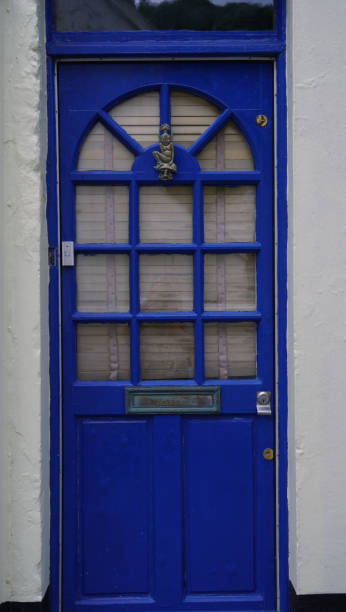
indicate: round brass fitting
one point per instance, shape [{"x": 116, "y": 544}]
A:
[
  {"x": 268, "y": 454},
  {"x": 262, "y": 120}
]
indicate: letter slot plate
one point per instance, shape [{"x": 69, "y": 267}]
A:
[{"x": 172, "y": 400}]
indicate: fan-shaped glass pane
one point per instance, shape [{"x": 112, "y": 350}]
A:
[
  {"x": 190, "y": 117},
  {"x": 140, "y": 117},
  {"x": 101, "y": 151},
  {"x": 227, "y": 151}
]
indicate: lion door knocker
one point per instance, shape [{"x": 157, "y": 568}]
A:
[{"x": 165, "y": 157}]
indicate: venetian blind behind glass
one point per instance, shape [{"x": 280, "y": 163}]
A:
[
  {"x": 227, "y": 151},
  {"x": 166, "y": 282},
  {"x": 229, "y": 214},
  {"x": 140, "y": 117},
  {"x": 103, "y": 351},
  {"x": 101, "y": 151},
  {"x": 230, "y": 350},
  {"x": 190, "y": 117},
  {"x": 167, "y": 351},
  {"x": 229, "y": 281},
  {"x": 102, "y": 214},
  {"x": 102, "y": 283},
  {"x": 165, "y": 214}
]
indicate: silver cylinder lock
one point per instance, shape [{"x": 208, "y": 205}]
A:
[{"x": 263, "y": 403}]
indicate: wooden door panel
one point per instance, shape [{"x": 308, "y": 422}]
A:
[{"x": 173, "y": 285}]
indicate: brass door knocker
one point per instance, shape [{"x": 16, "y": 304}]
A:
[{"x": 165, "y": 157}]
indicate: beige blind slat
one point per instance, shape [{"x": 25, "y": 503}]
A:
[
  {"x": 140, "y": 117},
  {"x": 91, "y": 213},
  {"x": 166, "y": 283},
  {"x": 167, "y": 351},
  {"x": 94, "y": 359},
  {"x": 165, "y": 214},
  {"x": 92, "y": 153},
  {"x": 239, "y": 281},
  {"x": 190, "y": 117},
  {"x": 239, "y": 213},
  {"x": 237, "y": 154},
  {"x": 240, "y": 350},
  {"x": 102, "y": 283}
]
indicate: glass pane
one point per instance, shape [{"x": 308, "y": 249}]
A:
[
  {"x": 103, "y": 352},
  {"x": 227, "y": 151},
  {"x": 102, "y": 283},
  {"x": 90, "y": 15},
  {"x": 229, "y": 214},
  {"x": 167, "y": 351},
  {"x": 102, "y": 214},
  {"x": 166, "y": 282},
  {"x": 166, "y": 214},
  {"x": 190, "y": 117},
  {"x": 102, "y": 151},
  {"x": 140, "y": 117},
  {"x": 230, "y": 281},
  {"x": 230, "y": 350}
]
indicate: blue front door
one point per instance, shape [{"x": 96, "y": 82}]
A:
[{"x": 166, "y": 191}]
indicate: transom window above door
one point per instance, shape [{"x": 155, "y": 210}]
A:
[
  {"x": 165, "y": 272},
  {"x": 132, "y": 15}
]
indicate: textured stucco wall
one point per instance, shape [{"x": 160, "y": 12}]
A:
[
  {"x": 317, "y": 294},
  {"x": 24, "y": 405}
]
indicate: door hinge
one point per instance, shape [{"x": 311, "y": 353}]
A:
[
  {"x": 67, "y": 253},
  {"x": 51, "y": 256}
]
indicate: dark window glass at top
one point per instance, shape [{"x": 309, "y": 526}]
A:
[{"x": 128, "y": 15}]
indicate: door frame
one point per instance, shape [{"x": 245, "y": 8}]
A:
[{"x": 248, "y": 47}]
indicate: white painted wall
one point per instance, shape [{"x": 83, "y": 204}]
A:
[
  {"x": 24, "y": 405},
  {"x": 317, "y": 290}
]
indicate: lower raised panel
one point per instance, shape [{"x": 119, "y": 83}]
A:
[
  {"x": 219, "y": 505},
  {"x": 114, "y": 515},
  {"x": 166, "y": 512}
]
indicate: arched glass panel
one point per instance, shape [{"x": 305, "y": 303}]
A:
[
  {"x": 227, "y": 151},
  {"x": 190, "y": 117},
  {"x": 140, "y": 117},
  {"x": 101, "y": 151}
]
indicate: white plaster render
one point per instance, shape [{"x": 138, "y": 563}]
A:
[
  {"x": 24, "y": 401},
  {"x": 317, "y": 289}
]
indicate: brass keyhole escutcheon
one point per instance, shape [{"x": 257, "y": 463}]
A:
[
  {"x": 268, "y": 454},
  {"x": 262, "y": 120}
]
